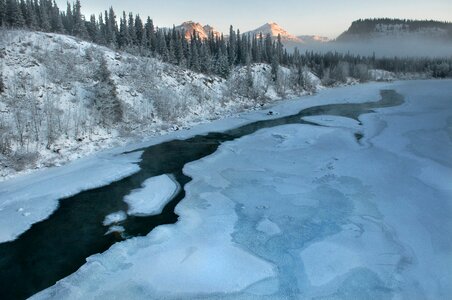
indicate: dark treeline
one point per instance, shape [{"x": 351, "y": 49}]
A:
[{"x": 214, "y": 55}]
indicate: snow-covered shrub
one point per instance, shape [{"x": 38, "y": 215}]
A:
[
  {"x": 361, "y": 72},
  {"x": 283, "y": 81},
  {"x": 21, "y": 160},
  {"x": 168, "y": 105},
  {"x": 340, "y": 72}
]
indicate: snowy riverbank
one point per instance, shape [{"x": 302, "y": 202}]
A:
[{"x": 51, "y": 113}]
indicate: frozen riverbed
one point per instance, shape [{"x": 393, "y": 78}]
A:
[
  {"x": 31, "y": 198},
  {"x": 303, "y": 211}
]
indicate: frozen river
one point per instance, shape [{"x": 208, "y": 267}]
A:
[{"x": 349, "y": 198}]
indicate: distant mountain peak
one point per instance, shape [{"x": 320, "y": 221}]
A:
[
  {"x": 274, "y": 30},
  {"x": 203, "y": 32}
]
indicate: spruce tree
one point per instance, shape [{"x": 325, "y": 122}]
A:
[
  {"x": 279, "y": 48},
  {"x": 111, "y": 28},
  {"x": 79, "y": 29},
  {"x": 107, "y": 102},
  {"x": 204, "y": 58},
  {"x": 222, "y": 64},
  {"x": 194, "y": 55},
  {"x": 23, "y": 10},
  {"x": 2, "y": 13},
  {"x": 181, "y": 61},
  {"x": 31, "y": 18},
  {"x": 161, "y": 47},
  {"x": 144, "y": 46},
  {"x": 139, "y": 30},
  {"x": 261, "y": 48},
  {"x": 14, "y": 16},
  {"x": 37, "y": 11},
  {"x": 44, "y": 23},
  {"x": 268, "y": 48},
  {"x": 232, "y": 46},
  {"x": 56, "y": 20},
  {"x": 124, "y": 37},
  {"x": 101, "y": 31},
  {"x": 69, "y": 20},
  {"x": 92, "y": 29},
  {"x": 238, "y": 48},
  {"x": 172, "y": 51},
  {"x": 150, "y": 31},
  {"x": 132, "y": 32},
  {"x": 254, "y": 49}
]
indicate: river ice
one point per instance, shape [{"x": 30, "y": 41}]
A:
[
  {"x": 303, "y": 211},
  {"x": 32, "y": 198}
]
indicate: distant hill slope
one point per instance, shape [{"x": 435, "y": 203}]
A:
[
  {"x": 396, "y": 28},
  {"x": 314, "y": 39}
]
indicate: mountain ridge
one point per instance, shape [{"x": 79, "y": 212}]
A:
[{"x": 399, "y": 28}]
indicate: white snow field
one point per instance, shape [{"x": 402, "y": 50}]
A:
[
  {"x": 152, "y": 197},
  {"x": 301, "y": 211}
]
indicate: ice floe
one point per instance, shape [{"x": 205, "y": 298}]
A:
[
  {"x": 152, "y": 197},
  {"x": 115, "y": 218}
]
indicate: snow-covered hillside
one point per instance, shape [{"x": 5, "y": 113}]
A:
[{"x": 50, "y": 112}]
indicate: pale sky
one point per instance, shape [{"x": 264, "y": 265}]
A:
[{"x": 322, "y": 17}]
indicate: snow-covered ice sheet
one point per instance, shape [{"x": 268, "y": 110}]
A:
[
  {"x": 152, "y": 197},
  {"x": 32, "y": 198},
  {"x": 303, "y": 211},
  {"x": 187, "y": 262}
]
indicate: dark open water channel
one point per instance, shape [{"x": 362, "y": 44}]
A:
[{"x": 56, "y": 247}]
